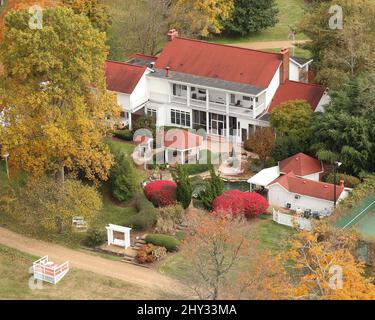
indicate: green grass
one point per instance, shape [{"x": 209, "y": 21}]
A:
[
  {"x": 77, "y": 284},
  {"x": 290, "y": 14},
  {"x": 299, "y": 52}
]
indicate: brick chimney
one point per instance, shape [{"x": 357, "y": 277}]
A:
[
  {"x": 167, "y": 71},
  {"x": 284, "y": 76},
  {"x": 342, "y": 183},
  {"x": 172, "y": 34}
]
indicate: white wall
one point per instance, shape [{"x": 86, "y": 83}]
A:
[
  {"x": 278, "y": 196},
  {"x": 159, "y": 89},
  {"x": 123, "y": 100},
  {"x": 272, "y": 88},
  {"x": 325, "y": 100},
  {"x": 314, "y": 176},
  {"x": 141, "y": 93},
  {"x": 293, "y": 71}
]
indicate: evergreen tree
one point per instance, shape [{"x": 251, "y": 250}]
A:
[
  {"x": 123, "y": 181},
  {"x": 184, "y": 188},
  {"x": 214, "y": 188},
  {"x": 252, "y": 16}
]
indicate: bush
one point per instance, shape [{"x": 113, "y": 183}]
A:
[
  {"x": 184, "y": 189},
  {"x": 161, "y": 192},
  {"x": 94, "y": 237},
  {"x": 170, "y": 243},
  {"x": 123, "y": 180},
  {"x": 350, "y": 181},
  {"x": 124, "y": 135},
  {"x": 146, "y": 216},
  {"x": 150, "y": 253},
  {"x": 235, "y": 202},
  {"x": 169, "y": 218}
]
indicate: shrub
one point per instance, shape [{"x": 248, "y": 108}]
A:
[
  {"x": 123, "y": 135},
  {"x": 235, "y": 202},
  {"x": 161, "y": 192},
  {"x": 170, "y": 243},
  {"x": 146, "y": 216},
  {"x": 123, "y": 180},
  {"x": 213, "y": 188},
  {"x": 184, "y": 189},
  {"x": 94, "y": 237},
  {"x": 150, "y": 253},
  {"x": 350, "y": 181},
  {"x": 168, "y": 219}
]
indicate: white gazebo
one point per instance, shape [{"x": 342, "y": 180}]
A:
[
  {"x": 118, "y": 236},
  {"x": 264, "y": 177}
]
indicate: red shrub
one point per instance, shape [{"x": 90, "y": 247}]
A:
[
  {"x": 161, "y": 193},
  {"x": 235, "y": 202}
]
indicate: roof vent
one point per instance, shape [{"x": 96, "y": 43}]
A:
[
  {"x": 325, "y": 186},
  {"x": 297, "y": 158},
  {"x": 167, "y": 69},
  {"x": 304, "y": 182}
]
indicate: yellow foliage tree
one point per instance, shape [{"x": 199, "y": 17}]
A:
[
  {"x": 201, "y": 17},
  {"x": 324, "y": 266},
  {"x": 54, "y": 94}
]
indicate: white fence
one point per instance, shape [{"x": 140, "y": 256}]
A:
[{"x": 291, "y": 221}]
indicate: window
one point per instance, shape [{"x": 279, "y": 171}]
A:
[
  {"x": 180, "y": 118},
  {"x": 232, "y": 99},
  {"x": 151, "y": 113},
  {"x": 122, "y": 114},
  {"x": 179, "y": 90},
  {"x": 199, "y": 120},
  {"x": 247, "y": 98}
]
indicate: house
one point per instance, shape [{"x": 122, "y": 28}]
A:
[
  {"x": 295, "y": 184},
  {"x": 227, "y": 91}
]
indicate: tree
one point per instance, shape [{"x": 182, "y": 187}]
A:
[
  {"x": 213, "y": 188},
  {"x": 292, "y": 118},
  {"x": 98, "y": 13},
  {"x": 184, "y": 188},
  {"x": 324, "y": 266},
  {"x": 56, "y": 107},
  {"x": 201, "y": 18},
  {"x": 211, "y": 253},
  {"x": 123, "y": 179},
  {"x": 251, "y": 16},
  {"x": 353, "y": 42},
  {"x": 53, "y": 205},
  {"x": 286, "y": 146},
  {"x": 261, "y": 142},
  {"x": 337, "y": 136}
]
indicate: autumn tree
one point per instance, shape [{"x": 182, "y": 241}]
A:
[
  {"x": 212, "y": 253},
  {"x": 324, "y": 266},
  {"x": 200, "y": 18},
  {"x": 46, "y": 202},
  {"x": 54, "y": 95},
  {"x": 97, "y": 12},
  {"x": 341, "y": 53},
  {"x": 261, "y": 142}
]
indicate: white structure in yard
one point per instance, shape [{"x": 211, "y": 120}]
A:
[
  {"x": 227, "y": 91},
  {"x": 291, "y": 220},
  {"x": 48, "y": 271},
  {"x": 118, "y": 236}
]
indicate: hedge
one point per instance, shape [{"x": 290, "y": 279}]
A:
[
  {"x": 124, "y": 135},
  {"x": 146, "y": 217},
  {"x": 170, "y": 243}
]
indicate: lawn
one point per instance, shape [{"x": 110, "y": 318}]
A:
[
  {"x": 112, "y": 211},
  {"x": 290, "y": 14},
  {"x": 77, "y": 284},
  {"x": 271, "y": 236}
]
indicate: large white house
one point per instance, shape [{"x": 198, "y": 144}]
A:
[{"x": 226, "y": 90}]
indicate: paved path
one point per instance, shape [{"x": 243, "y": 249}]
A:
[
  {"x": 269, "y": 44},
  {"x": 78, "y": 259}
]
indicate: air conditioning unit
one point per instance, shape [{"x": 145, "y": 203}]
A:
[
  {"x": 297, "y": 196},
  {"x": 288, "y": 205}
]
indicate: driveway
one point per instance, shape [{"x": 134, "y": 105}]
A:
[{"x": 81, "y": 260}]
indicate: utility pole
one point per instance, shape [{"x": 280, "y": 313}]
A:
[{"x": 336, "y": 166}]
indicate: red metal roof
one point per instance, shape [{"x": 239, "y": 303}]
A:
[
  {"x": 179, "y": 139},
  {"x": 219, "y": 61},
  {"x": 292, "y": 90},
  {"x": 315, "y": 189},
  {"x": 123, "y": 77},
  {"x": 301, "y": 165}
]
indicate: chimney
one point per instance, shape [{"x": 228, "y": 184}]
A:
[
  {"x": 167, "y": 70},
  {"x": 172, "y": 34},
  {"x": 285, "y": 65},
  {"x": 342, "y": 183}
]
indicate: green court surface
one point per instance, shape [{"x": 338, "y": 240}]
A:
[{"x": 362, "y": 218}]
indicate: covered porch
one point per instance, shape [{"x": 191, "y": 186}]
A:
[{"x": 263, "y": 178}]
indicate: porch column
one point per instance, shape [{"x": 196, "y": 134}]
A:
[
  {"x": 166, "y": 155},
  {"x": 208, "y": 111},
  {"x": 188, "y": 95},
  {"x": 254, "y": 106},
  {"x": 130, "y": 120},
  {"x": 227, "y": 113},
  {"x": 182, "y": 157}
]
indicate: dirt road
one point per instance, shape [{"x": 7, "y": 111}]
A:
[
  {"x": 269, "y": 44},
  {"x": 129, "y": 273}
]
